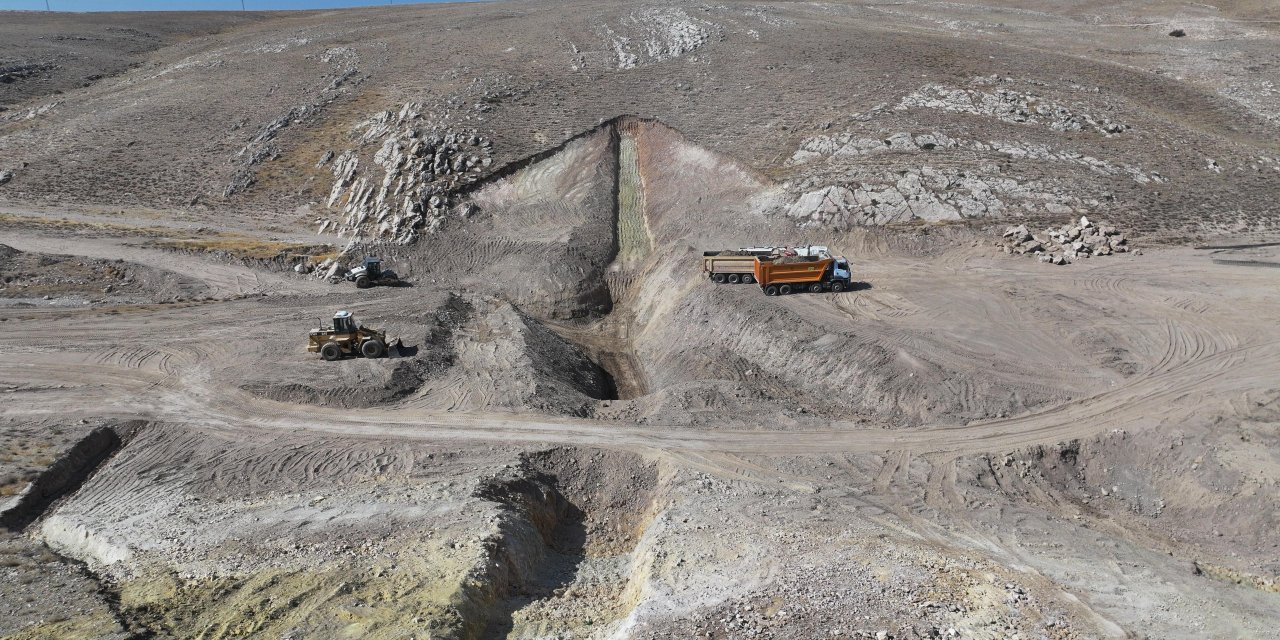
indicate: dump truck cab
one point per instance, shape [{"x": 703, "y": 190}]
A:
[{"x": 840, "y": 270}]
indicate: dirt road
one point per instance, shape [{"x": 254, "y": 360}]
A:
[{"x": 164, "y": 365}]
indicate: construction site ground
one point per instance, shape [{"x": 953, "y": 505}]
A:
[{"x": 582, "y": 435}]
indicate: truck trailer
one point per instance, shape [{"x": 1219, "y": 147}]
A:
[
  {"x": 733, "y": 266},
  {"x": 781, "y": 275}
]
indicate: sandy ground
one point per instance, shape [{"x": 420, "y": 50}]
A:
[{"x": 583, "y": 436}]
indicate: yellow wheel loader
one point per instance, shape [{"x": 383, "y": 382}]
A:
[{"x": 349, "y": 338}]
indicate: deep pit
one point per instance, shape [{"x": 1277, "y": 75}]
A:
[{"x": 566, "y": 553}]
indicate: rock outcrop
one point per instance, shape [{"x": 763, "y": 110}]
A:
[
  {"x": 1008, "y": 105},
  {"x": 404, "y": 187}
]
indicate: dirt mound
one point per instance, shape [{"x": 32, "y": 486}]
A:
[
  {"x": 470, "y": 352},
  {"x": 28, "y": 277},
  {"x": 379, "y": 382}
]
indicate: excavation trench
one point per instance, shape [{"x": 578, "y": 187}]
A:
[
  {"x": 62, "y": 478},
  {"x": 607, "y": 341},
  {"x": 567, "y": 557}
]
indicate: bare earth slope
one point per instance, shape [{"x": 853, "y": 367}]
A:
[{"x": 585, "y": 437}]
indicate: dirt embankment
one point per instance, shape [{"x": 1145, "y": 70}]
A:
[{"x": 37, "y": 277}]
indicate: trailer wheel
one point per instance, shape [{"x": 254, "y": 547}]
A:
[
  {"x": 784, "y": 289},
  {"x": 735, "y": 279},
  {"x": 330, "y": 351},
  {"x": 837, "y": 286},
  {"x": 719, "y": 278},
  {"x": 748, "y": 279},
  {"x": 771, "y": 290},
  {"x": 815, "y": 287}
]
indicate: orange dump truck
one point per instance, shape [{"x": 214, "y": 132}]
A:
[{"x": 782, "y": 275}]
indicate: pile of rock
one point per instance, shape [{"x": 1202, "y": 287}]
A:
[{"x": 1068, "y": 243}]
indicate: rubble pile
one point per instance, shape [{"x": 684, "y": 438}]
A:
[
  {"x": 1068, "y": 243},
  {"x": 415, "y": 168}
]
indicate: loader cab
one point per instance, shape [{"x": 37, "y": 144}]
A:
[
  {"x": 344, "y": 322},
  {"x": 373, "y": 267}
]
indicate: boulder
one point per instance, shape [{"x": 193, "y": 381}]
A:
[
  {"x": 1017, "y": 232},
  {"x": 1084, "y": 222}
]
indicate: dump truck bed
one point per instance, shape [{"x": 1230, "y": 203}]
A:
[
  {"x": 791, "y": 271},
  {"x": 728, "y": 264}
]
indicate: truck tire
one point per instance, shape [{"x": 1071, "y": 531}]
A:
[
  {"x": 837, "y": 286},
  {"x": 771, "y": 290},
  {"x": 362, "y": 282},
  {"x": 330, "y": 351},
  {"x": 719, "y": 278},
  {"x": 815, "y": 287},
  {"x": 371, "y": 348},
  {"x": 735, "y": 278},
  {"x": 784, "y": 290},
  {"x": 748, "y": 279}
]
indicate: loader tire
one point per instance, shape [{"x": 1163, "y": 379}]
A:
[
  {"x": 372, "y": 348},
  {"x": 771, "y": 290},
  {"x": 784, "y": 290},
  {"x": 362, "y": 282},
  {"x": 748, "y": 279},
  {"x": 330, "y": 351}
]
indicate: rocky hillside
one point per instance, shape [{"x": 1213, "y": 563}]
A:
[{"x": 376, "y": 123}]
